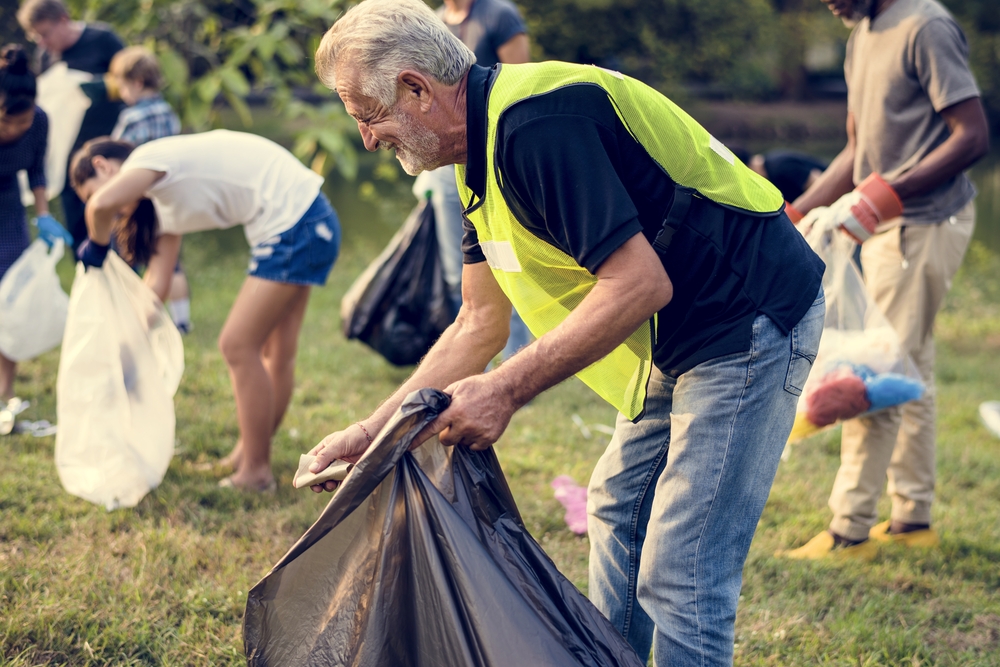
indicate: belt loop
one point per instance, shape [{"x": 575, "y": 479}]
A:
[{"x": 673, "y": 219}]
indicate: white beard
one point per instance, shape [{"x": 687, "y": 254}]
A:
[{"x": 418, "y": 147}]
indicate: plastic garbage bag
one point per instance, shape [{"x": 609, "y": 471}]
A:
[
  {"x": 421, "y": 560},
  {"x": 65, "y": 103},
  {"x": 989, "y": 412},
  {"x": 860, "y": 367},
  {"x": 399, "y": 306},
  {"x": 122, "y": 359},
  {"x": 32, "y": 303}
]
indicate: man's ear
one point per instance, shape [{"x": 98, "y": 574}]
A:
[{"x": 416, "y": 87}]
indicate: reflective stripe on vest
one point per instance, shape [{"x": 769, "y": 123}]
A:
[{"x": 545, "y": 284}]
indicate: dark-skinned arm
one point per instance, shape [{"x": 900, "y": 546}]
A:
[
  {"x": 969, "y": 141},
  {"x": 836, "y": 181}
]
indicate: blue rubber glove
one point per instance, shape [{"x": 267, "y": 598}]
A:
[
  {"x": 92, "y": 253},
  {"x": 49, "y": 230}
]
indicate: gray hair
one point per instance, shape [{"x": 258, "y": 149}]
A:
[{"x": 383, "y": 38}]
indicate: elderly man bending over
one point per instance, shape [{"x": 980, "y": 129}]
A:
[{"x": 645, "y": 259}]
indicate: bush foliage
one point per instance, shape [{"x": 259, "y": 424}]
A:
[{"x": 743, "y": 49}]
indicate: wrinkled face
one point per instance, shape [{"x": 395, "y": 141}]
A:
[
  {"x": 103, "y": 171},
  {"x": 397, "y": 128},
  {"x": 14, "y": 125},
  {"x": 849, "y": 11},
  {"x": 53, "y": 36}
]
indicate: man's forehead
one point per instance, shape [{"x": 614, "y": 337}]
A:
[{"x": 347, "y": 88}]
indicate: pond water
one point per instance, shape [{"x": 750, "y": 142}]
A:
[{"x": 372, "y": 209}]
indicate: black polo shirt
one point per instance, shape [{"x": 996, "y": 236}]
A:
[{"x": 575, "y": 178}]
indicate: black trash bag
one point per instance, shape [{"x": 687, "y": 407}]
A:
[
  {"x": 421, "y": 560},
  {"x": 400, "y": 305}
]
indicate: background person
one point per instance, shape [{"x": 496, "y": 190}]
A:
[
  {"x": 792, "y": 172},
  {"x": 495, "y": 32},
  {"x": 23, "y": 135},
  {"x": 84, "y": 47},
  {"x": 136, "y": 75},
  {"x": 577, "y": 239},
  {"x": 914, "y": 125},
  {"x": 218, "y": 180}
]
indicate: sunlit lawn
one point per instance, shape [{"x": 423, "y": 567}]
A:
[{"x": 166, "y": 583}]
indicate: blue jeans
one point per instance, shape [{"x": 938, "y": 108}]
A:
[
  {"x": 674, "y": 501},
  {"x": 302, "y": 254}
]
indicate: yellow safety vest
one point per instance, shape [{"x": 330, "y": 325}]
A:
[{"x": 545, "y": 284}]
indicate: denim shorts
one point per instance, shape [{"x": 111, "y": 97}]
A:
[{"x": 303, "y": 254}]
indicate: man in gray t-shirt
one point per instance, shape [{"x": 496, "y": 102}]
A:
[{"x": 914, "y": 124}]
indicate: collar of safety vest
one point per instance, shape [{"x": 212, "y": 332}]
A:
[{"x": 477, "y": 94}]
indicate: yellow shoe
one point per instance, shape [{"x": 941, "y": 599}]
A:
[
  {"x": 823, "y": 546},
  {"x": 916, "y": 538}
]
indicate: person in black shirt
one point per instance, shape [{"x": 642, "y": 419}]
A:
[
  {"x": 791, "y": 172},
  {"x": 736, "y": 296},
  {"x": 84, "y": 47}
]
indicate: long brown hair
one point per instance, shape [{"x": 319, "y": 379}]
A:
[{"x": 135, "y": 238}]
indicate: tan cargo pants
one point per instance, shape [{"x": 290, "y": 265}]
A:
[{"x": 908, "y": 270}]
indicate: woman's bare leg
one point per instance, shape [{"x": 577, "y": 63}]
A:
[
  {"x": 279, "y": 362},
  {"x": 279, "y": 357},
  {"x": 8, "y": 369},
  {"x": 261, "y": 307}
]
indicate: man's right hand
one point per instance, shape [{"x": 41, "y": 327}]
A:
[{"x": 346, "y": 445}]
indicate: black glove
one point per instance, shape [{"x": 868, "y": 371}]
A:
[{"x": 92, "y": 253}]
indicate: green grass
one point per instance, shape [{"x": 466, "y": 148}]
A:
[{"x": 166, "y": 582}]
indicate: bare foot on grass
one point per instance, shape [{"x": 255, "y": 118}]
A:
[
  {"x": 251, "y": 480},
  {"x": 228, "y": 463}
]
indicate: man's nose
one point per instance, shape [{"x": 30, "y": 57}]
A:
[{"x": 371, "y": 143}]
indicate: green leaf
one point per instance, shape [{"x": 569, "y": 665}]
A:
[
  {"x": 175, "y": 70},
  {"x": 207, "y": 87},
  {"x": 234, "y": 81},
  {"x": 304, "y": 148},
  {"x": 290, "y": 52},
  {"x": 240, "y": 107}
]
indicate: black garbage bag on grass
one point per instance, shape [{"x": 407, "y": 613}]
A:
[
  {"x": 400, "y": 305},
  {"x": 421, "y": 560}
]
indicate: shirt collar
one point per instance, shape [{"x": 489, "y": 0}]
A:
[
  {"x": 477, "y": 95},
  {"x": 148, "y": 101}
]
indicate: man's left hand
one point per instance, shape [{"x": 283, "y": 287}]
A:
[{"x": 480, "y": 410}]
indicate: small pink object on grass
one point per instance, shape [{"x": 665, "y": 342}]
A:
[{"x": 574, "y": 499}]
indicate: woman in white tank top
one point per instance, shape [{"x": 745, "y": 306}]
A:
[{"x": 149, "y": 197}]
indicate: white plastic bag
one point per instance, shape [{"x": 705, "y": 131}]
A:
[
  {"x": 122, "y": 359},
  {"x": 860, "y": 367},
  {"x": 32, "y": 303},
  {"x": 65, "y": 103}
]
